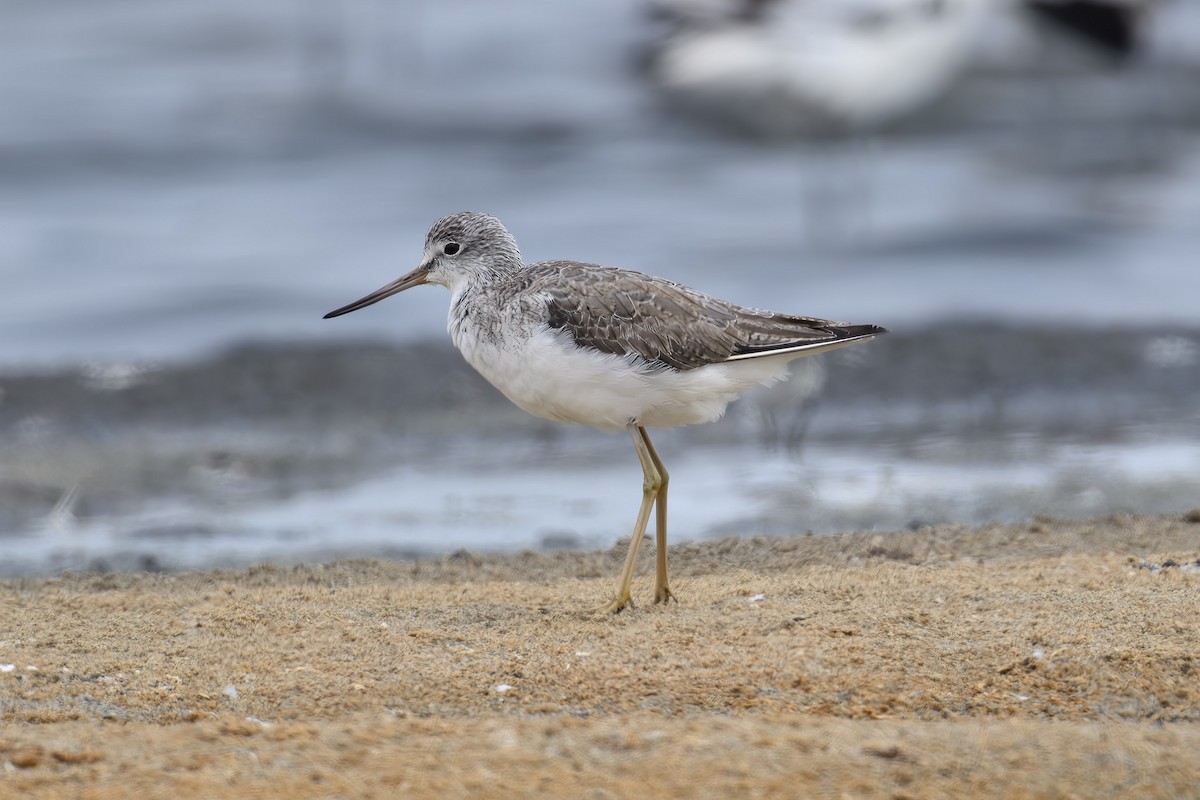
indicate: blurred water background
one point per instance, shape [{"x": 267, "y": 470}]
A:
[{"x": 185, "y": 188}]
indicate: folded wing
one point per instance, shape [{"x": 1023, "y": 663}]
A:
[{"x": 669, "y": 325}]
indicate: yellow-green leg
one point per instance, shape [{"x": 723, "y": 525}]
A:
[
  {"x": 654, "y": 484},
  {"x": 662, "y": 592}
]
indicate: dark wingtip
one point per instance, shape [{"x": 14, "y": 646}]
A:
[
  {"x": 855, "y": 331},
  {"x": 1111, "y": 28}
]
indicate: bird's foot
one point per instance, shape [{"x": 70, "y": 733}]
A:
[
  {"x": 614, "y": 606},
  {"x": 663, "y": 595}
]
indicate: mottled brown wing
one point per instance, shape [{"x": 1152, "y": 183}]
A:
[{"x": 623, "y": 312}]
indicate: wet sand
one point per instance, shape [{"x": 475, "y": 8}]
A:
[{"x": 1051, "y": 659}]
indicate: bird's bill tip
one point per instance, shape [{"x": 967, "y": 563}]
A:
[{"x": 414, "y": 278}]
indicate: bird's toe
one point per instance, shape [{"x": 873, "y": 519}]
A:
[{"x": 615, "y": 605}]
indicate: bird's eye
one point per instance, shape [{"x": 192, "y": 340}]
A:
[{"x": 451, "y": 248}]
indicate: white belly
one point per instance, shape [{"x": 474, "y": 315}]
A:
[{"x": 547, "y": 375}]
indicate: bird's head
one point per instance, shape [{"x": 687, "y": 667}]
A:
[{"x": 460, "y": 249}]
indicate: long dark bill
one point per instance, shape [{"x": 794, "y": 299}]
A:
[{"x": 414, "y": 278}]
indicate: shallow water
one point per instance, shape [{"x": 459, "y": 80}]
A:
[
  {"x": 430, "y": 509},
  {"x": 180, "y": 179}
]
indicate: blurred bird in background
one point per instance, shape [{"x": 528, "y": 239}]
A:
[{"x": 786, "y": 67}]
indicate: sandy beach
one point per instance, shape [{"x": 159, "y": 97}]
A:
[{"x": 1048, "y": 659}]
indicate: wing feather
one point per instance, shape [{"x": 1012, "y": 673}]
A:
[{"x": 670, "y": 325}]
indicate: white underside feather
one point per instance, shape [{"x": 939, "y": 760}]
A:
[{"x": 549, "y": 376}]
